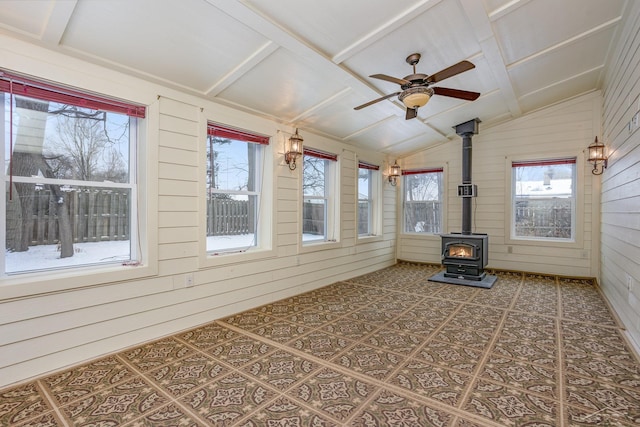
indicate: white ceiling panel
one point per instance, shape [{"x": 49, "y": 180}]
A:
[
  {"x": 282, "y": 85},
  {"x": 337, "y": 119},
  {"x": 425, "y": 34},
  {"x": 566, "y": 62},
  {"x": 332, "y": 25},
  {"x": 550, "y": 95},
  {"x": 492, "y": 102},
  {"x": 428, "y": 139},
  {"x": 25, "y": 16},
  {"x": 307, "y": 63},
  {"x": 493, "y": 6},
  {"x": 541, "y": 24},
  {"x": 177, "y": 44},
  {"x": 390, "y": 132}
]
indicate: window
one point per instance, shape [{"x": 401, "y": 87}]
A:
[
  {"x": 70, "y": 177},
  {"x": 318, "y": 189},
  {"x": 234, "y": 184},
  {"x": 368, "y": 179},
  {"x": 544, "y": 202},
  {"x": 423, "y": 190}
]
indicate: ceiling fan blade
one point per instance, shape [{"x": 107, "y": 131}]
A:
[
  {"x": 458, "y": 68},
  {"x": 411, "y": 113},
  {"x": 456, "y": 93},
  {"x": 391, "y": 79},
  {"x": 382, "y": 98}
]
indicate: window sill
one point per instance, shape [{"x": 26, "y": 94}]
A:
[
  {"x": 30, "y": 284},
  {"x": 570, "y": 244},
  {"x": 318, "y": 246},
  {"x": 421, "y": 235},
  {"x": 209, "y": 260},
  {"x": 368, "y": 239}
]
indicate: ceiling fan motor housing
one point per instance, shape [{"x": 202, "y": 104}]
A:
[{"x": 416, "y": 97}]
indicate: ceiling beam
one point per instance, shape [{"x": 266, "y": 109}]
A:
[
  {"x": 257, "y": 21},
  {"x": 332, "y": 99},
  {"x": 241, "y": 69},
  {"x": 385, "y": 29},
  {"x": 603, "y": 26},
  {"x": 481, "y": 25},
  {"x": 57, "y": 22}
]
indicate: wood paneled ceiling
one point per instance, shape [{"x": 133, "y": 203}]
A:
[{"x": 306, "y": 62}]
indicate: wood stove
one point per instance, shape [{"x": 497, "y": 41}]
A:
[{"x": 465, "y": 255}]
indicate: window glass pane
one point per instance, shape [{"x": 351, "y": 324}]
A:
[
  {"x": 231, "y": 162},
  {"x": 69, "y": 185},
  {"x": 364, "y": 201},
  {"x": 67, "y": 142},
  {"x": 314, "y": 170},
  {"x": 423, "y": 203},
  {"x": 314, "y": 219},
  {"x": 233, "y": 194},
  {"x": 314, "y": 207},
  {"x": 231, "y": 222},
  {"x": 95, "y": 221},
  {"x": 364, "y": 184},
  {"x": 544, "y": 201}
]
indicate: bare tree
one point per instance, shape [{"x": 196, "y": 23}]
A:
[
  {"x": 80, "y": 148},
  {"x": 28, "y": 160}
]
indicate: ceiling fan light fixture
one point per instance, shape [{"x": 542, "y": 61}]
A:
[{"x": 416, "y": 97}]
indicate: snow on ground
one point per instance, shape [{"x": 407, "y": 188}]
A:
[{"x": 46, "y": 257}]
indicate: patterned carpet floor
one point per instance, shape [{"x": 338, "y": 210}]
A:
[{"x": 388, "y": 348}]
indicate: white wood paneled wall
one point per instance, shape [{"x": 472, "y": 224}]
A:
[
  {"x": 620, "y": 258},
  {"x": 46, "y": 331},
  {"x": 560, "y": 130}
]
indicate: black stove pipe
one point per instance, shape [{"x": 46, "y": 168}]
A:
[{"x": 466, "y": 131}]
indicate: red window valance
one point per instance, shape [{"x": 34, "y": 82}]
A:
[
  {"x": 419, "y": 171},
  {"x": 552, "y": 162},
  {"x": 365, "y": 165},
  {"x": 221, "y": 131},
  {"x": 25, "y": 86},
  {"x": 319, "y": 154}
]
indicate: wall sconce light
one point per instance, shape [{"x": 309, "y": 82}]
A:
[
  {"x": 598, "y": 157},
  {"x": 394, "y": 173},
  {"x": 293, "y": 150}
]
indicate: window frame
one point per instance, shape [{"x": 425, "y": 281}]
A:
[
  {"x": 578, "y": 219},
  {"x": 266, "y": 211},
  {"x": 375, "y": 207},
  {"x": 143, "y": 224},
  {"x": 443, "y": 199},
  {"x": 332, "y": 202},
  {"x": 258, "y": 142}
]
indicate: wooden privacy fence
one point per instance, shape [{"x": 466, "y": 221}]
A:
[
  {"x": 313, "y": 218},
  {"x": 95, "y": 216},
  {"x": 103, "y": 215},
  {"x": 544, "y": 217},
  {"x": 422, "y": 217},
  {"x": 227, "y": 217}
]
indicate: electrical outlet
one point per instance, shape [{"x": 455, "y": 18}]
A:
[
  {"x": 509, "y": 249},
  {"x": 188, "y": 280},
  {"x": 629, "y": 282}
]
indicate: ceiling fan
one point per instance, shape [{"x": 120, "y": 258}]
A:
[{"x": 416, "y": 90}]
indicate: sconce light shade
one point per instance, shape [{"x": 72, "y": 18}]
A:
[
  {"x": 598, "y": 157},
  {"x": 394, "y": 173},
  {"x": 293, "y": 150}
]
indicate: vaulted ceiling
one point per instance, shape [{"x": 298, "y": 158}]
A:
[{"x": 307, "y": 62}]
